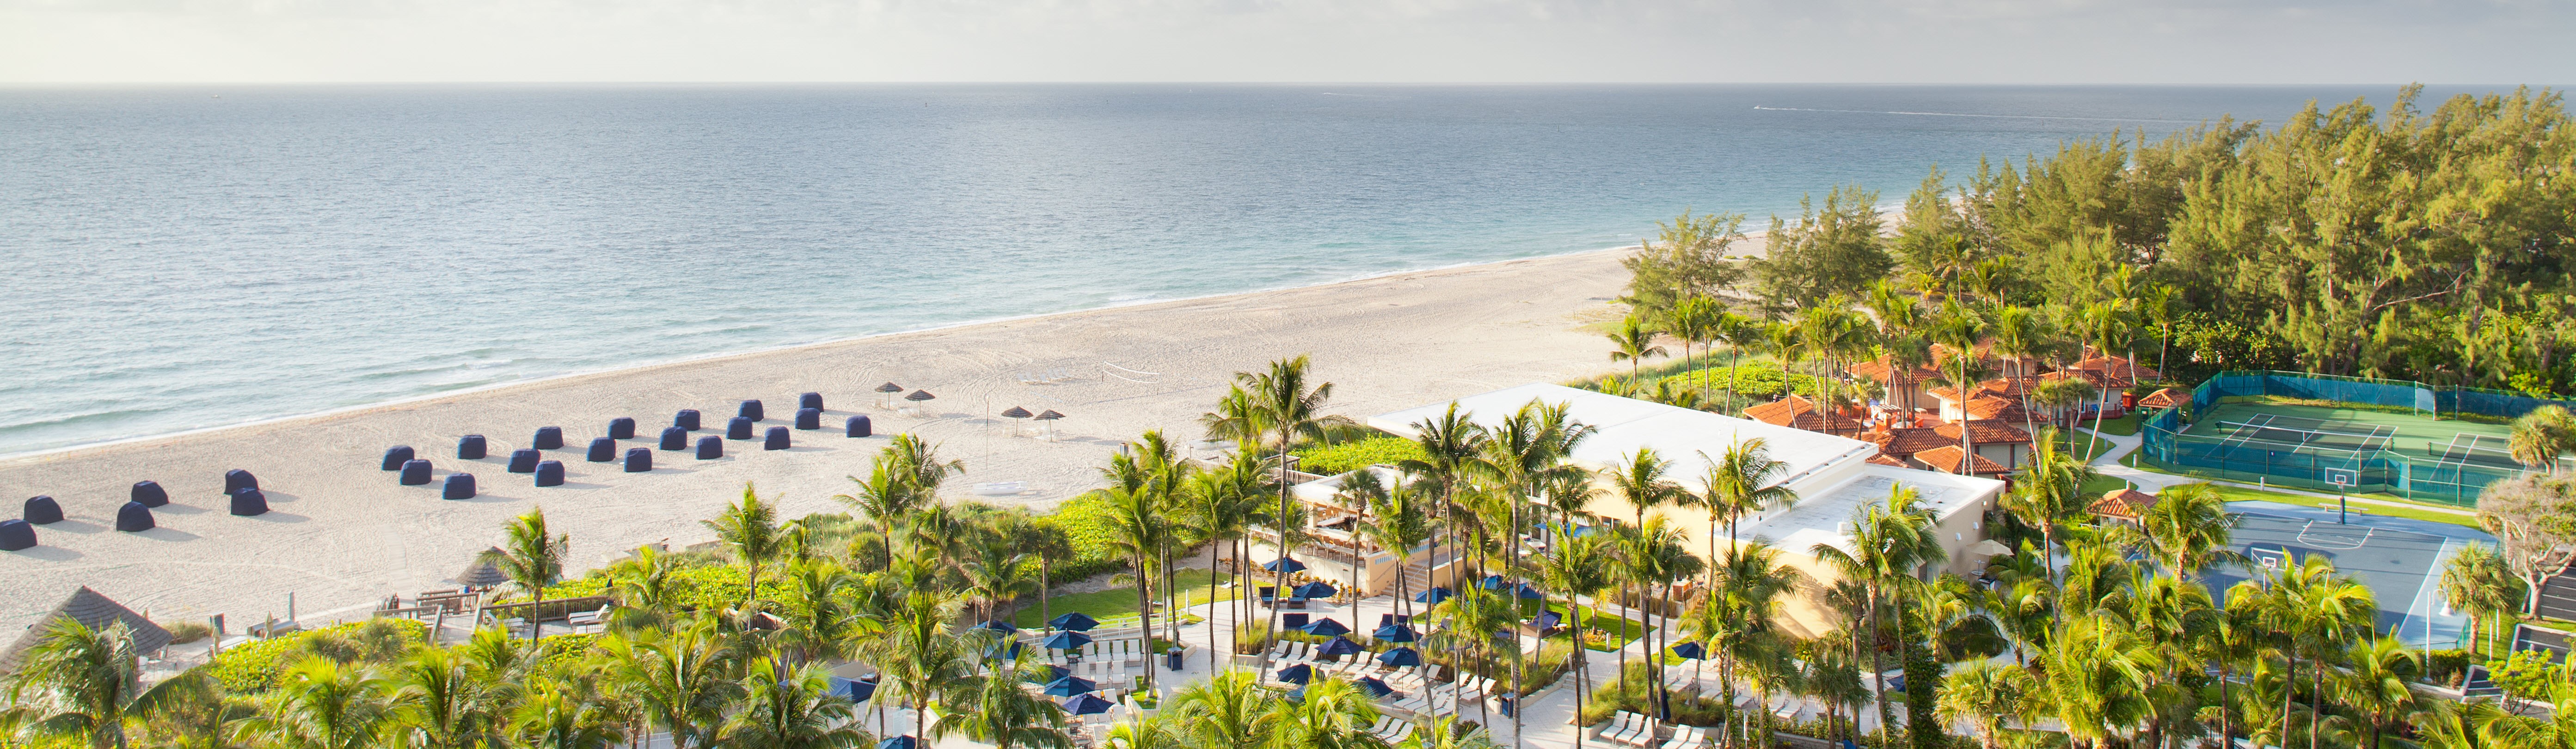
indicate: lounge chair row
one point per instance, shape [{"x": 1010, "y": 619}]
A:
[{"x": 1392, "y": 730}]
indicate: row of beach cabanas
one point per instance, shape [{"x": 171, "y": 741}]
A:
[
  {"x": 413, "y": 470},
  {"x": 240, "y": 488}
]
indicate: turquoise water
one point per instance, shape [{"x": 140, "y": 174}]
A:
[{"x": 190, "y": 257}]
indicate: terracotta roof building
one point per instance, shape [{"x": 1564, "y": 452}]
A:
[
  {"x": 2124, "y": 504},
  {"x": 2165, "y": 398},
  {"x": 1946, "y": 460},
  {"x": 1799, "y": 413}
]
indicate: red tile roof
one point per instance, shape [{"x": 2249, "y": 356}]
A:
[
  {"x": 2127, "y": 504},
  {"x": 1883, "y": 459},
  {"x": 1984, "y": 432},
  {"x": 1797, "y": 412},
  {"x": 1946, "y": 460},
  {"x": 1883, "y": 368},
  {"x": 2119, "y": 370},
  {"x": 2165, "y": 398}
]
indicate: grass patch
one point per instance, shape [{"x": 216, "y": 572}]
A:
[
  {"x": 1116, "y": 607},
  {"x": 2124, "y": 426},
  {"x": 2100, "y": 485},
  {"x": 1621, "y": 631}
]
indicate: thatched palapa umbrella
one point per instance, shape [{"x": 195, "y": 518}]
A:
[
  {"x": 482, "y": 573},
  {"x": 1046, "y": 423},
  {"x": 885, "y": 394}
]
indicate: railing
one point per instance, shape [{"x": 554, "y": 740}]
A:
[{"x": 2376, "y": 470}]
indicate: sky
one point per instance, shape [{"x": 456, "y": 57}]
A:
[{"x": 1409, "y": 41}]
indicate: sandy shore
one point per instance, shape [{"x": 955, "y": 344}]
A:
[{"x": 343, "y": 534}]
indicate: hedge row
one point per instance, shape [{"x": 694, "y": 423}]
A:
[
  {"x": 254, "y": 667},
  {"x": 1351, "y": 456}
]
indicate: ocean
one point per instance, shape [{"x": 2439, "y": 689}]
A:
[{"x": 189, "y": 257}]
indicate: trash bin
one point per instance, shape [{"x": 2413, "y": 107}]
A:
[{"x": 1172, "y": 658}]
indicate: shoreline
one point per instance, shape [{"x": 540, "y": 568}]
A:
[
  {"x": 341, "y": 533},
  {"x": 1754, "y": 237}
]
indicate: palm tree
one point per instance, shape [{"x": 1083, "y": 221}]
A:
[
  {"x": 1282, "y": 405},
  {"x": 1333, "y": 715},
  {"x": 884, "y": 497},
  {"x": 531, "y": 559},
  {"x": 1739, "y": 483},
  {"x": 2108, "y": 326},
  {"x": 918, "y": 653},
  {"x": 321, "y": 704},
  {"x": 1960, "y": 328},
  {"x": 2048, "y": 490},
  {"x": 1450, "y": 443},
  {"x": 1750, "y": 585},
  {"x": 1633, "y": 342},
  {"x": 2190, "y": 528},
  {"x": 1400, "y": 524},
  {"x": 2478, "y": 581},
  {"x": 445, "y": 702},
  {"x": 679, "y": 677},
  {"x": 1223, "y": 503},
  {"x": 557, "y": 716},
  {"x": 1640, "y": 481},
  {"x": 2542, "y": 435},
  {"x": 2094, "y": 678},
  {"x": 824, "y": 625},
  {"x": 750, "y": 528},
  {"x": 1580, "y": 567},
  {"x": 996, "y": 708},
  {"x": 1889, "y": 543},
  {"x": 2021, "y": 335},
  {"x": 1140, "y": 532},
  {"x": 1524, "y": 457},
  {"x": 1229, "y": 710},
  {"x": 791, "y": 708},
  {"x": 78, "y": 682},
  {"x": 2320, "y": 611},
  {"x": 1654, "y": 558},
  {"x": 1694, "y": 321},
  {"x": 1983, "y": 694},
  {"x": 2376, "y": 683},
  {"x": 995, "y": 573},
  {"x": 1739, "y": 333}
]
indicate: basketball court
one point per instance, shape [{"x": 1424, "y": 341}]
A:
[{"x": 2399, "y": 559}]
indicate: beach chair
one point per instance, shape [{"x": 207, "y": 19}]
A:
[
  {"x": 1611, "y": 729},
  {"x": 1689, "y": 737},
  {"x": 1270, "y": 595}
]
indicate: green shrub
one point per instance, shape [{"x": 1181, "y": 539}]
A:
[
  {"x": 1330, "y": 460},
  {"x": 710, "y": 587},
  {"x": 186, "y": 632},
  {"x": 2446, "y": 667},
  {"x": 1090, "y": 528},
  {"x": 254, "y": 667},
  {"x": 1758, "y": 379}
]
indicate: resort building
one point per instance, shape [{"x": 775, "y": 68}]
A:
[
  {"x": 1797, "y": 412},
  {"x": 1833, "y": 477}
]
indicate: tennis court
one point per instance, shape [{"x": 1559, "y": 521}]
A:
[
  {"x": 2399, "y": 559},
  {"x": 2325, "y": 449}
]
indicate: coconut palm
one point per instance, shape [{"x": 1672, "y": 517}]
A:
[
  {"x": 787, "y": 707},
  {"x": 2096, "y": 678},
  {"x": 321, "y": 704},
  {"x": 445, "y": 702},
  {"x": 1985, "y": 695},
  {"x": 81, "y": 683},
  {"x": 1960, "y": 329},
  {"x": 1141, "y": 532},
  {"x": 1334, "y": 714},
  {"x": 2048, "y": 489},
  {"x": 1694, "y": 320},
  {"x": 1400, "y": 523},
  {"x": 1750, "y": 584},
  {"x": 996, "y": 708},
  {"x": 2109, "y": 326},
  {"x": 1888, "y": 543},
  {"x": 2542, "y": 435},
  {"x": 1653, "y": 558},
  {"x": 678, "y": 677},
  {"x": 823, "y": 624},
  {"x": 2478, "y": 581},
  {"x": 1281, "y": 404},
  {"x": 1221, "y": 505},
  {"x": 2320, "y": 612},
  {"x": 2375, "y": 683},
  {"x": 2022, "y": 335},
  {"x": 750, "y": 529},
  {"x": 1741, "y": 482},
  {"x": 885, "y": 497},
  {"x": 1740, "y": 334},
  {"x": 1580, "y": 567},
  {"x": 1633, "y": 342},
  {"x": 531, "y": 559},
  {"x": 1229, "y": 710},
  {"x": 918, "y": 653},
  {"x": 2190, "y": 528},
  {"x": 557, "y": 715}
]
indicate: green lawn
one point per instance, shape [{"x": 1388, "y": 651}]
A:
[
  {"x": 2123, "y": 426},
  {"x": 1622, "y": 631},
  {"x": 1117, "y": 606},
  {"x": 2083, "y": 446}
]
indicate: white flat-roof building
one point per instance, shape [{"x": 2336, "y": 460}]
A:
[{"x": 1832, "y": 476}]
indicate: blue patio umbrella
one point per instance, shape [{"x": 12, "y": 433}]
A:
[
  {"x": 1525, "y": 591},
  {"x": 1284, "y": 564},
  {"x": 1065, "y": 641},
  {"x": 1326, "y": 627},
  {"x": 1317, "y": 589},
  {"x": 1491, "y": 582},
  {"x": 1006, "y": 649},
  {"x": 1547, "y": 620},
  {"x": 1085, "y": 704},
  {"x": 1395, "y": 633},
  {"x": 854, "y": 690},
  {"x": 1691, "y": 650},
  {"x": 1339, "y": 646},
  {"x": 899, "y": 742},
  {"x": 1054, "y": 672},
  {"x": 1074, "y": 621},
  {"x": 997, "y": 625},
  {"x": 1070, "y": 686},
  {"x": 1401, "y": 657},
  {"x": 1297, "y": 674},
  {"x": 1433, "y": 596},
  {"x": 1376, "y": 687},
  {"x": 1297, "y": 696}
]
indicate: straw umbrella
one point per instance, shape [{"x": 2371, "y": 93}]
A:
[
  {"x": 1017, "y": 412},
  {"x": 1046, "y": 420},
  {"x": 918, "y": 397},
  {"x": 885, "y": 394},
  {"x": 481, "y": 573}
]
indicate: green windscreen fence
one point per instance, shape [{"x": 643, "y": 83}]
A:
[{"x": 2452, "y": 476}]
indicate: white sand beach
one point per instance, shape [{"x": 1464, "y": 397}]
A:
[{"x": 343, "y": 534}]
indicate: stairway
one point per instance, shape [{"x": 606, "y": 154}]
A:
[
  {"x": 2477, "y": 684},
  {"x": 2558, "y": 594}
]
